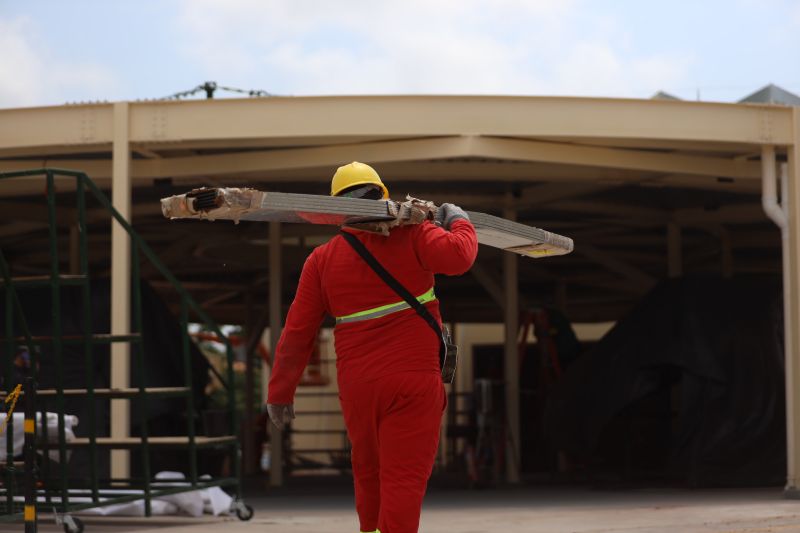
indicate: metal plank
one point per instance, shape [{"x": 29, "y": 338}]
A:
[{"x": 252, "y": 205}]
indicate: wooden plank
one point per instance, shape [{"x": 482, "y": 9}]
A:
[
  {"x": 161, "y": 442},
  {"x": 113, "y": 393}
]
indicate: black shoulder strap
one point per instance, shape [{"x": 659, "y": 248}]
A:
[{"x": 397, "y": 287}]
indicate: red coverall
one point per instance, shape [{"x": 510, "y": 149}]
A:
[{"x": 388, "y": 371}]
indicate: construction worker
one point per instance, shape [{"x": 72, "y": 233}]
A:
[{"x": 390, "y": 383}]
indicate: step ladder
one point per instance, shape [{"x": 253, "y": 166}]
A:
[{"x": 17, "y": 334}]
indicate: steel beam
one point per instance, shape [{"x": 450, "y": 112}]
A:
[
  {"x": 573, "y": 154},
  {"x": 474, "y": 146},
  {"x": 552, "y": 192},
  {"x": 58, "y": 127},
  {"x": 329, "y": 118}
]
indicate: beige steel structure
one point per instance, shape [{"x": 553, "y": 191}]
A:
[{"x": 647, "y": 189}]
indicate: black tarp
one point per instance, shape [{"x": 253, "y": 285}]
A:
[
  {"x": 701, "y": 359},
  {"x": 163, "y": 364}
]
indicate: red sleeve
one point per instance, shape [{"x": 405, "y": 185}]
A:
[
  {"x": 446, "y": 252},
  {"x": 298, "y": 337}
]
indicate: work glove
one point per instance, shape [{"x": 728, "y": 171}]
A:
[
  {"x": 447, "y": 214},
  {"x": 280, "y": 413}
]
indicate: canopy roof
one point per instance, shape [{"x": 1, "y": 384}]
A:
[{"x": 610, "y": 173}]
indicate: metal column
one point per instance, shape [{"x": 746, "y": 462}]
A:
[
  {"x": 275, "y": 320},
  {"x": 791, "y": 294},
  {"x": 248, "y": 450},
  {"x": 511, "y": 366},
  {"x": 120, "y": 286},
  {"x": 31, "y": 521}
]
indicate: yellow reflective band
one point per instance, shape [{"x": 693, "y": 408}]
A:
[
  {"x": 377, "y": 312},
  {"x": 30, "y": 513},
  {"x": 30, "y": 427}
]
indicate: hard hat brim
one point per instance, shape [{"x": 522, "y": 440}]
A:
[{"x": 362, "y": 182}]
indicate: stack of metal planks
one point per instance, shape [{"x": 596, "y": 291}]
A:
[{"x": 237, "y": 204}]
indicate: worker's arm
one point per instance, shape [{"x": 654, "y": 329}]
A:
[
  {"x": 298, "y": 337},
  {"x": 446, "y": 252}
]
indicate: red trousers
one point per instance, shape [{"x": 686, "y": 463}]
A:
[{"x": 393, "y": 423}]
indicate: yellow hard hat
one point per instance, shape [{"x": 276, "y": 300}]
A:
[{"x": 356, "y": 174}]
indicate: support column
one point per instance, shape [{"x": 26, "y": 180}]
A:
[
  {"x": 120, "y": 286},
  {"x": 674, "y": 251},
  {"x": 791, "y": 294},
  {"x": 248, "y": 450},
  {"x": 275, "y": 321},
  {"x": 511, "y": 366}
]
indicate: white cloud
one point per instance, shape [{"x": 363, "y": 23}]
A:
[
  {"x": 17, "y": 69},
  {"x": 557, "y": 47},
  {"x": 591, "y": 69},
  {"x": 420, "y": 46},
  {"x": 31, "y": 75},
  {"x": 658, "y": 72}
]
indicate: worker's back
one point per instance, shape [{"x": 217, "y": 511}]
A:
[
  {"x": 399, "y": 341},
  {"x": 337, "y": 281}
]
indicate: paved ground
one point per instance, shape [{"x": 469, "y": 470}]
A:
[{"x": 329, "y": 509}]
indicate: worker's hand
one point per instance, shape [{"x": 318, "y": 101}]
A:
[
  {"x": 447, "y": 214},
  {"x": 280, "y": 413}
]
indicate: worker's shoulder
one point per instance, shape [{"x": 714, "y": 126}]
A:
[
  {"x": 324, "y": 250},
  {"x": 413, "y": 229},
  {"x": 411, "y": 233},
  {"x": 423, "y": 228}
]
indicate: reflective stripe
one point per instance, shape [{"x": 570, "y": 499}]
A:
[{"x": 377, "y": 312}]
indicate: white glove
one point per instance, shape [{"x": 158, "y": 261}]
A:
[
  {"x": 280, "y": 413},
  {"x": 447, "y": 214}
]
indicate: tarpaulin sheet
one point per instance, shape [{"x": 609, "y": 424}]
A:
[
  {"x": 720, "y": 343},
  {"x": 18, "y": 440},
  {"x": 212, "y": 500}
]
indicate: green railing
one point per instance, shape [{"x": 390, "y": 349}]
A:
[{"x": 59, "y": 498}]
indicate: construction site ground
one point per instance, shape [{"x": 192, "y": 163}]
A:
[{"x": 329, "y": 508}]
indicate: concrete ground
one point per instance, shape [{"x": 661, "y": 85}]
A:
[{"x": 329, "y": 509}]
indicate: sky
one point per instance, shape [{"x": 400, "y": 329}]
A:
[{"x": 54, "y": 52}]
